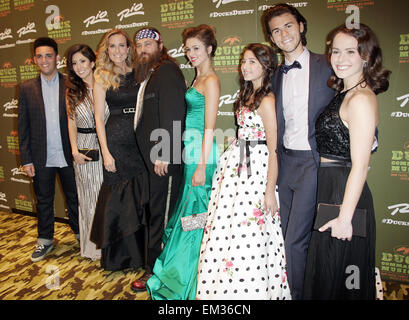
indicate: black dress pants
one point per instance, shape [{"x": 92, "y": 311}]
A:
[
  {"x": 297, "y": 194},
  {"x": 44, "y": 188},
  {"x": 163, "y": 194}
]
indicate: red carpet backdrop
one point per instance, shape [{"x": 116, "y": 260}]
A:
[{"x": 238, "y": 22}]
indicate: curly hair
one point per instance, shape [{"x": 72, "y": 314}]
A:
[
  {"x": 268, "y": 60},
  {"x": 107, "y": 73},
  {"x": 205, "y": 33},
  {"x": 374, "y": 74},
  {"x": 77, "y": 90}
]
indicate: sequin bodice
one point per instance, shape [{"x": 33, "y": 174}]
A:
[{"x": 331, "y": 133}]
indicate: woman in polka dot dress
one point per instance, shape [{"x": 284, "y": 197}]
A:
[{"x": 242, "y": 252}]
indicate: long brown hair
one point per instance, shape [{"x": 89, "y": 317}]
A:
[
  {"x": 268, "y": 60},
  {"x": 374, "y": 74},
  {"x": 77, "y": 90}
]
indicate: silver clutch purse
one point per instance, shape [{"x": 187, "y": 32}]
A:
[{"x": 194, "y": 221}]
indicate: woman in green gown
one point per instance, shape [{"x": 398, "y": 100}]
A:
[{"x": 175, "y": 271}]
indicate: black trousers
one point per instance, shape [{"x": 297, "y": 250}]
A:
[
  {"x": 297, "y": 190},
  {"x": 44, "y": 188},
  {"x": 163, "y": 194}
]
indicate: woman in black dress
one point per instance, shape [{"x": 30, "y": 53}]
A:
[
  {"x": 119, "y": 217},
  {"x": 340, "y": 264}
]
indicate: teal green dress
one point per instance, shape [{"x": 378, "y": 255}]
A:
[{"x": 175, "y": 271}]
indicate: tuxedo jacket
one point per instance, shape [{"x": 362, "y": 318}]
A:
[
  {"x": 32, "y": 130},
  {"x": 319, "y": 97},
  {"x": 164, "y": 107}
]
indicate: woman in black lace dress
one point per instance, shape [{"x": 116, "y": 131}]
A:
[
  {"x": 119, "y": 217},
  {"x": 341, "y": 264}
]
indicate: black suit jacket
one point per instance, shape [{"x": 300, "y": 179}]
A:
[
  {"x": 319, "y": 97},
  {"x": 32, "y": 130},
  {"x": 163, "y": 107}
]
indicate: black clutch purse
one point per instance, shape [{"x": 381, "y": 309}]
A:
[
  {"x": 327, "y": 212},
  {"x": 90, "y": 153}
]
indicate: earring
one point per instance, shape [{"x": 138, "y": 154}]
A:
[{"x": 365, "y": 64}]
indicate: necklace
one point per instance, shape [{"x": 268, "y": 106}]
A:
[{"x": 362, "y": 81}]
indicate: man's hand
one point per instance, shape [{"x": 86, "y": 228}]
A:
[
  {"x": 29, "y": 170},
  {"x": 161, "y": 168}
]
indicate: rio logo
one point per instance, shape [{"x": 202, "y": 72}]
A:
[{"x": 101, "y": 16}]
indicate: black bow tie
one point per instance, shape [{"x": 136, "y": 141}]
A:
[{"x": 285, "y": 68}]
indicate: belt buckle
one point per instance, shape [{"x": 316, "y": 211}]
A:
[{"x": 128, "y": 110}]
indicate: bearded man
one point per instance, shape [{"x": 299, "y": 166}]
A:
[{"x": 159, "y": 123}]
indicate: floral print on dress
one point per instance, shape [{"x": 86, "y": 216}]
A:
[
  {"x": 251, "y": 125},
  {"x": 228, "y": 267},
  {"x": 258, "y": 216}
]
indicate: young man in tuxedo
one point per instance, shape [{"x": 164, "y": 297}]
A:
[
  {"x": 302, "y": 93},
  {"x": 45, "y": 149}
]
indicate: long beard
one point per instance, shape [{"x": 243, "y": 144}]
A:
[{"x": 144, "y": 65}]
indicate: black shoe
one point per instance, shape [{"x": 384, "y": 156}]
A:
[{"x": 40, "y": 252}]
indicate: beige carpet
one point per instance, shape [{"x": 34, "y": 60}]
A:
[
  {"x": 62, "y": 275},
  {"x": 65, "y": 275}
]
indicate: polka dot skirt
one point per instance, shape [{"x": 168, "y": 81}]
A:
[{"x": 242, "y": 252}]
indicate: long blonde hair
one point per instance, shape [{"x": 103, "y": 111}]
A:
[{"x": 106, "y": 72}]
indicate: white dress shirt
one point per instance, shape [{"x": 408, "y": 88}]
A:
[{"x": 295, "y": 104}]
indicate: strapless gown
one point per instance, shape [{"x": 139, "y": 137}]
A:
[
  {"x": 175, "y": 271},
  {"x": 242, "y": 255}
]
